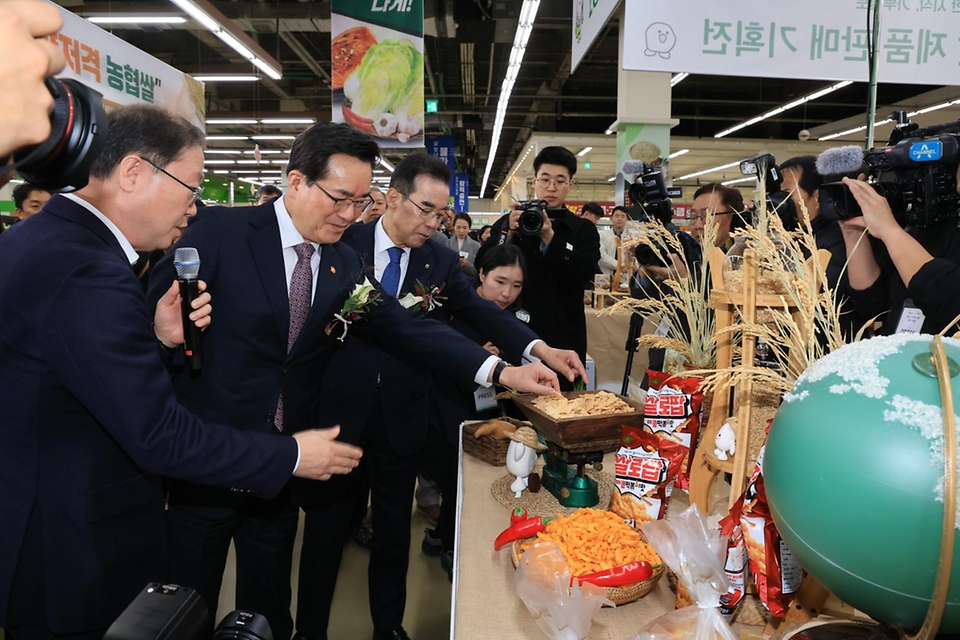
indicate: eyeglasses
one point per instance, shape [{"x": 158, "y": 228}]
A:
[
  {"x": 701, "y": 214},
  {"x": 439, "y": 214},
  {"x": 197, "y": 191},
  {"x": 559, "y": 183},
  {"x": 339, "y": 204}
]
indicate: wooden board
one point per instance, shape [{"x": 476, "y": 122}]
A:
[{"x": 591, "y": 433}]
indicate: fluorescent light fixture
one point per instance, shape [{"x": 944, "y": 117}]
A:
[
  {"x": 265, "y": 152},
  {"x": 584, "y": 151},
  {"x": 288, "y": 120},
  {"x": 222, "y": 151},
  {"x": 248, "y": 162},
  {"x": 276, "y": 162},
  {"x": 386, "y": 165},
  {"x": 608, "y": 132},
  {"x": 222, "y": 171},
  {"x": 201, "y": 16},
  {"x": 528, "y": 15},
  {"x": 137, "y": 19},
  {"x": 855, "y": 130},
  {"x": 226, "y": 78},
  {"x": 790, "y": 105},
  {"x": 942, "y": 105},
  {"x": 231, "y": 121},
  {"x": 678, "y": 78},
  {"x": 219, "y": 162},
  {"x": 16, "y": 181},
  {"x": 611, "y": 178},
  {"x": 677, "y": 153},
  {"x": 739, "y": 180},
  {"x": 710, "y": 170},
  {"x": 273, "y": 137},
  {"x": 216, "y": 138},
  {"x": 251, "y": 181}
]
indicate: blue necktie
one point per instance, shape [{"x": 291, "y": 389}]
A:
[{"x": 391, "y": 275}]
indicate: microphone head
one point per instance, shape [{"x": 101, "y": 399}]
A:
[
  {"x": 633, "y": 166},
  {"x": 186, "y": 260},
  {"x": 841, "y": 161}
]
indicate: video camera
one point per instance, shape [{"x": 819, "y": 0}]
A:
[
  {"x": 78, "y": 129},
  {"x": 649, "y": 191},
  {"x": 916, "y": 173},
  {"x": 766, "y": 169},
  {"x": 531, "y": 216}
]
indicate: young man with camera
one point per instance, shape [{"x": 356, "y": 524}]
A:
[{"x": 561, "y": 250}]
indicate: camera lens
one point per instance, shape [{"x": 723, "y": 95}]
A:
[
  {"x": 531, "y": 220},
  {"x": 78, "y": 129}
]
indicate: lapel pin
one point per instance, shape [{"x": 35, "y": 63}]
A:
[
  {"x": 426, "y": 266},
  {"x": 333, "y": 269}
]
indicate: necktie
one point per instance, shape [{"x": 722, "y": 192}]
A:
[
  {"x": 391, "y": 275},
  {"x": 301, "y": 293}
]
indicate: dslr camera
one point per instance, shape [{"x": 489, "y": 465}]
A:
[
  {"x": 531, "y": 216},
  {"x": 776, "y": 199},
  {"x": 916, "y": 173}
]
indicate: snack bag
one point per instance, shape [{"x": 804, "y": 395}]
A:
[
  {"x": 672, "y": 411},
  {"x": 736, "y": 562},
  {"x": 776, "y": 571},
  {"x": 646, "y": 468}
]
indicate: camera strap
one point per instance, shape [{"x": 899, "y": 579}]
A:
[{"x": 504, "y": 232}]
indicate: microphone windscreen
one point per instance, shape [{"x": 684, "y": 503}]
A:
[
  {"x": 840, "y": 161},
  {"x": 633, "y": 166},
  {"x": 186, "y": 260}
]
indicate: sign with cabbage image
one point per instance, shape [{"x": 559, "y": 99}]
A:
[{"x": 377, "y": 68}]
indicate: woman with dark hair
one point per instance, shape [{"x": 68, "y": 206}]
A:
[
  {"x": 483, "y": 234},
  {"x": 500, "y": 280}
]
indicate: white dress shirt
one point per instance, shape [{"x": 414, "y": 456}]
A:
[
  {"x": 128, "y": 249},
  {"x": 289, "y": 238}
]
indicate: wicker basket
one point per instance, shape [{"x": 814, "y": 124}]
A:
[
  {"x": 617, "y": 595},
  {"x": 487, "y": 448}
]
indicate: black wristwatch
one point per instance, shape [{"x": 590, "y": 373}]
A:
[{"x": 497, "y": 370}]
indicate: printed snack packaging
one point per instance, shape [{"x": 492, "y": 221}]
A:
[
  {"x": 646, "y": 469},
  {"x": 672, "y": 411}
]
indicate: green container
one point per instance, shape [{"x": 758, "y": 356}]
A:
[{"x": 852, "y": 477}]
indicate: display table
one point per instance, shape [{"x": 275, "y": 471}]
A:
[
  {"x": 485, "y": 602},
  {"x": 606, "y": 344}
]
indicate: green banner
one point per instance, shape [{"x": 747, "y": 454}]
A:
[{"x": 399, "y": 15}]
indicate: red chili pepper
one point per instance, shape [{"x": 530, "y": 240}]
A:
[
  {"x": 619, "y": 576},
  {"x": 523, "y": 529},
  {"x": 518, "y": 515}
]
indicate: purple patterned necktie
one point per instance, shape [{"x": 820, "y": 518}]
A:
[{"x": 301, "y": 292}]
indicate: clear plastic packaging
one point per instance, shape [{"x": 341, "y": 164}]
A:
[
  {"x": 562, "y": 611},
  {"x": 696, "y": 552}
]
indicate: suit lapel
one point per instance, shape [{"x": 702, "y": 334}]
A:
[
  {"x": 419, "y": 268},
  {"x": 268, "y": 256},
  {"x": 330, "y": 279}
]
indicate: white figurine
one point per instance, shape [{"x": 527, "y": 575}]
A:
[
  {"x": 726, "y": 441},
  {"x": 522, "y": 457}
]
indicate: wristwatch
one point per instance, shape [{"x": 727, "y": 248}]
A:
[{"x": 497, "y": 370}]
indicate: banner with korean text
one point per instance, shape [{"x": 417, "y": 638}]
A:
[
  {"x": 376, "y": 53},
  {"x": 823, "y": 39},
  {"x": 589, "y": 17},
  {"x": 461, "y": 192},
  {"x": 124, "y": 74}
]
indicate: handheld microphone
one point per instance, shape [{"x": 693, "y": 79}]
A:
[
  {"x": 633, "y": 167},
  {"x": 186, "y": 261},
  {"x": 839, "y": 162}
]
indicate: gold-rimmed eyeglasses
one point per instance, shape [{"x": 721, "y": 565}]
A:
[{"x": 559, "y": 183}]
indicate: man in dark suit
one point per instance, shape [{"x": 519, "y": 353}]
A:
[
  {"x": 279, "y": 276},
  {"x": 561, "y": 259},
  {"x": 383, "y": 401},
  {"x": 91, "y": 421}
]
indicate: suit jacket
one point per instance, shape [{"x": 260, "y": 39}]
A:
[
  {"x": 360, "y": 369},
  {"x": 91, "y": 421},
  {"x": 553, "y": 289},
  {"x": 470, "y": 246}
]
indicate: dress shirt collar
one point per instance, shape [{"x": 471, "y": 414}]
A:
[
  {"x": 128, "y": 250},
  {"x": 289, "y": 236},
  {"x": 382, "y": 242}
]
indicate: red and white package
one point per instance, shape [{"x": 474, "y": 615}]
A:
[
  {"x": 672, "y": 411},
  {"x": 736, "y": 561},
  {"x": 646, "y": 469}
]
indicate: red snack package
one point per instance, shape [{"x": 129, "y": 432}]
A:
[
  {"x": 672, "y": 411},
  {"x": 736, "y": 562},
  {"x": 646, "y": 468}
]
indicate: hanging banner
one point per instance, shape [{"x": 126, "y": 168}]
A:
[
  {"x": 377, "y": 68},
  {"x": 827, "y": 40},
  {"x": 443, "y": 147},
  {"x": 589, "y": 17},
  {"x": 461, "y": 192},
  {"x": 124, "y": 74}
]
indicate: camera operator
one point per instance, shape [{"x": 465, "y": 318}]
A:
[
  {"x": 560, "y": 259},
  {"x": 917, "y": 283}
]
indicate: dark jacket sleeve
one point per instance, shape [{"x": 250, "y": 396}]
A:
[
  {"x": 935, "y": 289},
  {"x": 574, "y": 257}
]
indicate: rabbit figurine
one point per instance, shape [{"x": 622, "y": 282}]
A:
[
  {"x": 726, "y": 441},
  {"x": 522, "y": 457}
]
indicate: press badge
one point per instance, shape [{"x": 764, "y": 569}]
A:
[
  {"x": 523, "y": 316},
  {"x": 911, "y": 318},
  {"x": 663, "y": 328},
  {"x": 485, "y": 398}
]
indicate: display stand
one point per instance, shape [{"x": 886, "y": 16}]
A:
[{"x": 626, "y": 265}]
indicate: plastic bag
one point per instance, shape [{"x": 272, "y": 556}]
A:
[
  {"x": 696, "y": 552},
  {"x": 562, "y": 611}
]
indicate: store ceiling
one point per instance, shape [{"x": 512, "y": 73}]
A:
[{"x": 467, "y": 46}]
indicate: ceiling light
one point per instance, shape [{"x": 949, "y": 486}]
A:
[
  {"x": 678, "y": 78},
  {"x": 710, "y": 170},
  {"x": 201, "y": 16},
  {"x": 226, "y": 78},
  {"x": 222, "y": 151},
  {"x": 386, "y": 165},
  {"x": 611, "y": 178},
  {"x": 263, "y": 151},
  {"x": 228, "y": 138},
  {"x": 739, "y": 180},
  {"x": 231, "y": 121},
  {"x": 608, "y": 132},
  {"x": 855, "y": 130},
  {"x": 942, "y": 105},
  {"x": 247, "y": 162},
  {"x": 219, "y": 162},
  {"x": 137, "y": 19},
  {"x": 288, "y": 120},
  {"x": 677, "y": 153},
  {"x": 222, "y": 171},
  {"x": 274, "y": 137},
  {"x": 251, "y": 181},
  {"x": 528, "y": 15},
  {"x": 790, "y": 105},
  {"x": 584, "y": 151}
]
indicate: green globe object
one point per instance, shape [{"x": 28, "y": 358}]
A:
[{"x": 853, "y": 470}]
